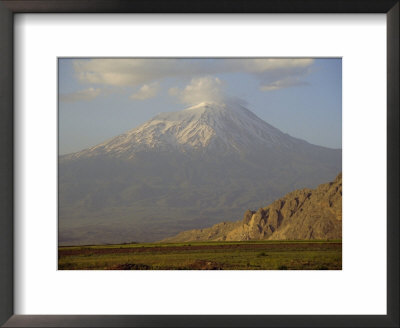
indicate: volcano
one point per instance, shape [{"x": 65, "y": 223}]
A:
[{"x": 183, "y": 170}]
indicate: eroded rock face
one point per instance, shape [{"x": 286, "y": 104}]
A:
[
  {"x": 317, "y": 216},
  {"x": 247, "y": 216},
  {"x": 301, "y": 214}
]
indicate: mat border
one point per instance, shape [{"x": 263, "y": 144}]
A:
[{"x": 10, "y": 7}]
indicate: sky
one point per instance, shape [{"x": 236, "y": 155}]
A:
[{"x": 100, "y": 98}]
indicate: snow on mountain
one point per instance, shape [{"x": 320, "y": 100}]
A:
[{"x": 214, "y": 126}]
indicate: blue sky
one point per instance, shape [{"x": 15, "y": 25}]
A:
[{"x": 102, "y": 98}]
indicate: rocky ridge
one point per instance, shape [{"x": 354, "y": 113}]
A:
[{"x": 303, "y": 214}]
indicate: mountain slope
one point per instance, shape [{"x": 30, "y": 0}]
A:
[
  {"x": 183, "y": 170},
  {"x": 213, "y": 126},
  {"x": 300, "y": 215}
]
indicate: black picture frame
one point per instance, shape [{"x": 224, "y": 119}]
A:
[{"x": 10, "y": 7}]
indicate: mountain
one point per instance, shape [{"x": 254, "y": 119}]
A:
[
  {"x": 206, "y": 126},
  {"x": 183, "y": 170},
  {"x": 300, "y": 215}
]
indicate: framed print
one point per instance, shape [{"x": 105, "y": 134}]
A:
[
  {"x": 181, "y": 164},
  {"x": 189, "y": 170}
]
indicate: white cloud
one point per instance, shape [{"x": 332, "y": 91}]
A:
[
  {"x": 146, "y": 91},
  {"x": 285, "y": 83},
  {"x": 275, "y": 74},
  {"x": 82, "y": 95},
  {"x": 200, "y": 89},
  {"x": 127, "y": 72},
  {"x": 135, "y": 72},
  {"x": 262, "y": 65}
]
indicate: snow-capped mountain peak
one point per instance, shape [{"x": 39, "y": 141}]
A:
[{"x": 207, "y": 125}]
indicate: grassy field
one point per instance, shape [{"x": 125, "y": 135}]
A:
[{"x": 255, "y": 255}]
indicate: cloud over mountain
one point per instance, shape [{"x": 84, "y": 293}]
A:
[
  {"x": 86, "y": 94},
  {"x": 272, "y": 73},
  {"x": 201, "y": 89},
  {"x": 146, "y": 91}
]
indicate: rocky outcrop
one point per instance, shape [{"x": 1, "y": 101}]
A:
[{"x": 300, "y": 215}]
